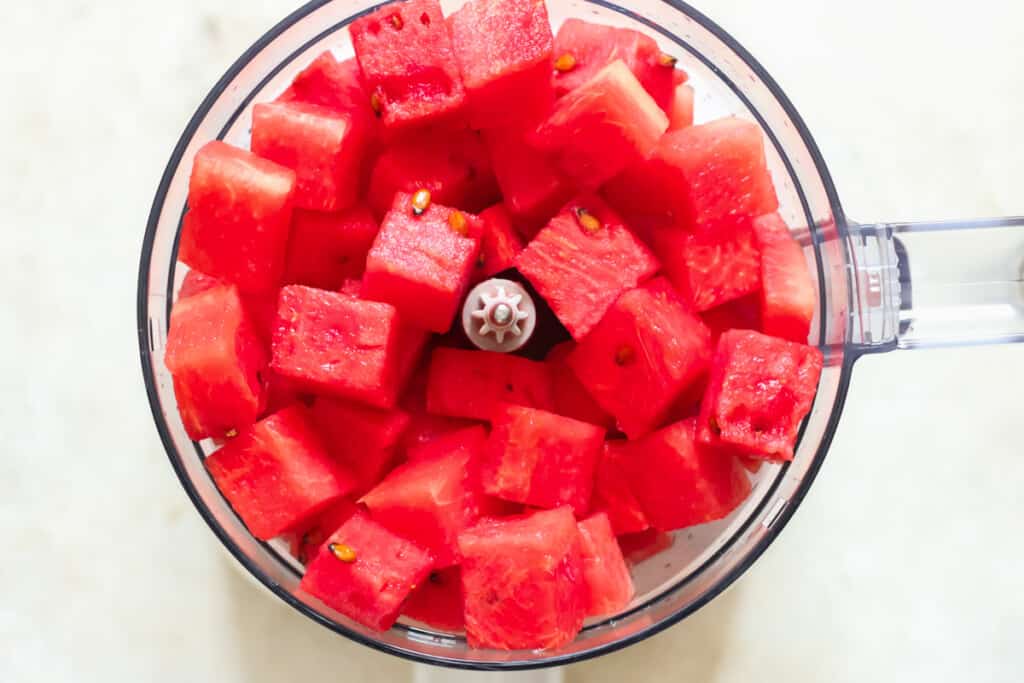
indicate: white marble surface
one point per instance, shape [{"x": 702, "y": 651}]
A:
[{"x": 903, "y": 563}]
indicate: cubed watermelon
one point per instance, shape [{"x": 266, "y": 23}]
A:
[
  {"x": 613, "y": 497},
  {"x": 467, "y": 440},
  {"x": 326, "y": 249},
  {"x": 261, "y": 306},
  {"x": 438, "y": 602},
  {"x": 739, "y": 314},
  {"x": 571, "y": 398},
  {"x": 434, "y": 497},
  {"x": 499, "y": 243},
  {"x": 366, "y": 572},
  {"x": 239, "y": 213},
  {"x": 323, "y": 146},
  {"x": 504, "y": 52},
  {"x": 759, "y": 392},
  {"x": 642, "y": 356},
  {"x": 330, "y": 343},
  {"x": 709, "y": 270},
  {"x": 405, "y": 54},
  {"x": 453, "y": 166},
  {"x": 593, "y": 47},
  {"x": 679, "y": 482},
  {"x": 642, "y": 546},
  {"x": 602, "y": 127},
  {"x": 277, "y": 475},
  {"x": 472, "y": 384},
  {"x": 216, "y": 360},
  {"x": 533, "y": 189},
  {"x": 541, "y": 459},
  {"x": 609, "y": 585},
  {"x": 787, "y": 291},
  {"x": 425, "y": 428},
  {"x": 680, "y": 114},
  {"x": 421, "y": 264},
  {"x": 332, "y": 84},
  {"x": 306, "y": 542},
  {"x": 583, "y": 260},
  {"x": 363, "y": 439},
  {"x": 522, "y": 579},
  {"x": 197, "y": 283}
]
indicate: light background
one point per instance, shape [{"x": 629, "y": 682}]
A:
[{"x": 904, "y": 563}]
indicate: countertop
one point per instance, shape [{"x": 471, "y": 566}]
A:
[{"x": 904, "y": 562}]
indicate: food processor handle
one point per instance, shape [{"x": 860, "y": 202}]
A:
[{"x": 949, "y": 283}]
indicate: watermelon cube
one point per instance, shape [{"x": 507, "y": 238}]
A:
[
  {"x": 709, "y": 270},
  {"x": 405, "y": 54},
  {"x": 570, "y": 397},
  {"x": 361, "y": 438},
  {"x": 261, "y": 306},
  {"x": 642, "y": 546},
  {"x": 739, "y": 314},
  {"x": 216, "y": 359},
  {"x": 197, "y": 283},
  {"x": 330, "y": 343},
  {"x": 602, "y": 127},
  {"x": 432, "y": 498},
  {"x": 677, "y": 481},
  {"x": 583, "y": 260},
  {"x": 522, "y": 579},
  {"x": 541, "y": 459},
  {"x": 499, "y": 243},
  {"x": 759, "y": 392},
  {"x": 642, "y": 356},
  {"x": 239, "y": 212},
  {"x": 680, "y": 113},
  {"x": 335, "y": 85},
  {"x": 592, "y": 47},
  {"x": 438, "y": 602},
  {"x": 366, "y": 572},
  {"x": 276, "y": 474},
  {"x": 533, "y": 189},
  {"x": 453, "y": 166},
  {"x": 472, "y": 384},
  {"x": 609, "y": 585},
  {"x": 468, "y": 440},
  {"x": 326, "y": 249},
  {"x": 787, "y": 291},
  {"x": 421, "y": 264},
  {"x": 613, "y": 497},
  {"x": 504, "y": 52},
  {"x": 425, "y": 428},
  {"x": 306, "y": 542},
  {"x": 323, "y": 146}
]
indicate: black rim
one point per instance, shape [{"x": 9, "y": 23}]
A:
[{"x": 794, "y": 501}]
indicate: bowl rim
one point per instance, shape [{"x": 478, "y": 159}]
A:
[{"x": 849, "y": 357}]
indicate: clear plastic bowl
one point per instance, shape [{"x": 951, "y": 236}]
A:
[{"x": 704, "y": 560}]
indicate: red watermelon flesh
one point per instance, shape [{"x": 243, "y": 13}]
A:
[
  {"x": 571, "y": 398},
  {"x": 709, "y": 270},
  {"x": 613, "y": 497},
  {"x": 261, "y": 307},
  {"x": 642, "y": 546},
  {"x": 424, "y": 428},
  {"x": 453, "y": 166},
  {"x": 377, "y": 574},
  {"x": 306, "y": 542},
  {"x": 602, "y": 127},
  {"x": 408, "y": 65},
  {"x": 642, "y": 356},
  {"x": 240, "y": 210},
  {"x": 541, "y": 459},
  {"x": 504, "y": 53},
  {"x": 583, "y": 260},
  {"x": 680, "y": 114},
  {"x": 468, "y": 440},
  {"x": 523, "y": 581},
  {"x": 216, "y": 359},
  {"x": 363, "y": 439},
  {"x": 326, "y": 249},
  {"x": 787, "y": 291},
  {"x": 472, "y": 384},
  {"x": 334, "y": 85},
  {"x": 323, "y": 146},
  {"x": 438, "y": 602},
  {"x": 499, "y": 243},
  {"x": 277, "y": 475},
  {"x": 678, "y": 482},
  {"x": 532, "y": 187},
  {"x": 430, "y": 500},
  {"x": 329, "y": 343},
  {"x": 197, "y": 283},
  {"x": 420, "y": 264},
  {"x": 759, "y": 392},
  {"x": 739, "y": 314},
  {"x": 609, "y": 585},
  {"x": 594, "y": 47}
]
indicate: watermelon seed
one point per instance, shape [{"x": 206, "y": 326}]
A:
[
  {"x": 713, "y": 426},
  {"x": 565, "y": 62},
  {"x": 435, "y": 577},
  {"x": 420, "y": 202},
  {"x": 343, "y": 552},
  {"x": 588, "y": 221},
  {"x": 376, "y": 105},
  {"x": 624, "y": 356},
  {"x": 396, "y": 21},
  {"x": 667, "y": 60},
  {"x": 457, "y": 222}
]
